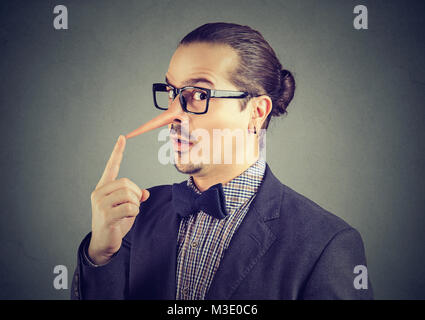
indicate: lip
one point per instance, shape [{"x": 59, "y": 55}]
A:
[
  {"x": 175, "y": 137},
  {"x": 181, "y": 144}
]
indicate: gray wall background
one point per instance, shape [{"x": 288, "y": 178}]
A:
[{"x": 352, "y": 141}]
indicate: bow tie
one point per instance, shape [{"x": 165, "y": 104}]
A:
[{"x": 186, "y": 201}]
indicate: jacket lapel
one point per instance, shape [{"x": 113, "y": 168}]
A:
[{"x": 251, "y": 241}]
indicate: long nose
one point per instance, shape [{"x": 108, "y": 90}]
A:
[
  {"x": 163, "y": 119},
  {"x": 174, "y": 112}
]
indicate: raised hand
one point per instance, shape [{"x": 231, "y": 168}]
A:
[{"x": 115, "y": 205}]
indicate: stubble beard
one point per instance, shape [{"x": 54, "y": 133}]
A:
[{"x": 187, "y": 168}]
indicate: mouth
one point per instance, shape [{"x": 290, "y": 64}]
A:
[{"x": 180, "y": 144}]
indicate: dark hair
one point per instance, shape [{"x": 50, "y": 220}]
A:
[{"x": 259, "y": 71}]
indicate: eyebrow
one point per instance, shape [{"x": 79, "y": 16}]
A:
[{"x": 192, "y": 82}]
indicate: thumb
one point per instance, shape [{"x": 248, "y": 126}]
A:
[{"x": 146, "y": 194}]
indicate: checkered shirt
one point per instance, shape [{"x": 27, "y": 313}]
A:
[{"x": 203, "y": 239}]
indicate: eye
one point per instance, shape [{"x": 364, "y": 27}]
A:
[{"x": 199, "y": 95}]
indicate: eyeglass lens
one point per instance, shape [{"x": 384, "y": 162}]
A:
[{"x": 194, "y": 99}]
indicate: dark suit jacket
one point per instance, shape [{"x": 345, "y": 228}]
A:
[{"x": 287, "y": 247}]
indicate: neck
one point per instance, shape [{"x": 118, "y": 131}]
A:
[{"x": 221, "y": 174}]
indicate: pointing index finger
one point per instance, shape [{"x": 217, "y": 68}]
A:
[{"x": 113, "y": 165}]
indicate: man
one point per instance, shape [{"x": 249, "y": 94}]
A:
[{"x": 232, "y": 230}]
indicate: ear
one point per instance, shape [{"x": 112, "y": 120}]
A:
[{"x": 261, "y": 107}]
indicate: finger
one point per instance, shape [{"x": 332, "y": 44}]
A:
[
  {"x": 124, "y": 210},
  {"x": 145, "y": 195},
  {"x": 118, "y": 184},
  {"x": 113, "y": 165},
  {"x": 121, "y": 196}
]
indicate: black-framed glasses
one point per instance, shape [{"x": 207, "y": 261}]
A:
[{"x": 193, "y": 100}]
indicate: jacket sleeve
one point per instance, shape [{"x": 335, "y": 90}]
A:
[
  {"x": 341, "y": 270},
  {"x": 109, "y": 281}
]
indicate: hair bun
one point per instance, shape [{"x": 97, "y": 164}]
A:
[{"x": 286, "y": 92}]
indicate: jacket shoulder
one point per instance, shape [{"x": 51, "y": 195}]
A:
[
  {"x": 307, "y": 215},
  {"x": 295, "y": 212},
  {"x": 326, "y": 247}
]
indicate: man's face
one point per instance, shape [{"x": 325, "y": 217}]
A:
[{"x": 211, "y": 65}]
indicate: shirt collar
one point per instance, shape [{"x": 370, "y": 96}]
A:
[{"x": 241, "y": 188}]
